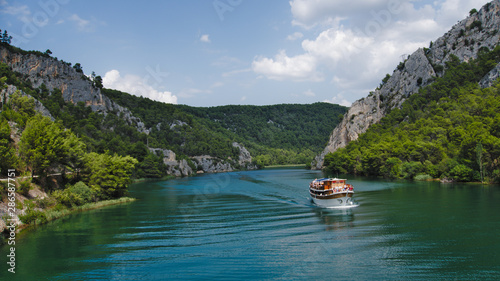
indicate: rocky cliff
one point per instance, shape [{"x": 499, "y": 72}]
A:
[
  {"x": 479, "y": 31},
  {"x": 38, "y": 69},
  {"x": 74, "y": 85},
  {"x": 205, "y": 163}
]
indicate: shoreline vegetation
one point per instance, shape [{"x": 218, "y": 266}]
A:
[
  {"x": 286, "y": 166},
  {"x": 52, "y": 214},
  {"x": 449, "y": 130}
]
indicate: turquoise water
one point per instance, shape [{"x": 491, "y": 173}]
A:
[{"x": 262, "y": 225}]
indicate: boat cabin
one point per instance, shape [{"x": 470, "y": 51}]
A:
[{"x": 327, "y": 183}]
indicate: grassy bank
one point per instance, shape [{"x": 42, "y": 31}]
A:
[
  {"x": 285, "y": 166},
  {"x": 55, "y": 214},
  {"x": 52, "y": 214}
]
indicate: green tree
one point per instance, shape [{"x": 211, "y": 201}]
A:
[
  {"x": 6, "y": 38},
  {"x": 479, "y": 157},
  {"x": 74, "y": 152},
  {"x": 391, "y": 168},
  {"x": 22, "y": 108},
  {"x": 109, "y": 175},
  {"x": 78, "y": 67},
  {"x": 42, "y": 145}
]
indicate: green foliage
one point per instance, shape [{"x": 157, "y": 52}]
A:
[
  {"x": 20, "y": 108},
  {"x": 449, "y": 129},
  {"x": 273, "y": 134},
  {"x": 75, "y": 195},
  {"x": 461, "y": 173},
  {"x": 82, "y": 191},
  {"x": 422, "y": 177},
  {"x": 386, "y": 78},
  {"x": 32, "y": 215},
  {"x": 5, "y": 37},
  {"x": 24, "y": 186},
  {"x": 108, "y": 175},
  {"x": 78, "y": 67},
  {"x": 42, "y": 144},
  {"x": 8, "y": 157}
]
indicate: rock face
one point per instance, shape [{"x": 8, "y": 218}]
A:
[
  {"x": 75, "y": 86},
  {"x": 204, "y": 163},
  {"x": 479, "y": 31}
]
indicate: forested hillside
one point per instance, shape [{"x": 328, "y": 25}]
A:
[
  {"x": 449, "y": 130},
  {"x": 274, "y": 134},
  {"x": 164, "y": 138}
]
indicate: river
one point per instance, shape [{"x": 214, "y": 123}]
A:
[{"x": 262, "y": 225}]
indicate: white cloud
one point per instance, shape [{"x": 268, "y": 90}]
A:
[
  {"x": 358, "y": 42},
  {"x": 339, "y": 99},
  {"x": 295, "y": 36},
  {"x": 309, "y": 93},
  {"x": 205, "y": 38},
  {"x": 85, "y": 25},
  {"x": 81, "y": 23},
  {"x": 227, "y": 61},
  {"x": 23, "y": 13},
  {"x": 217, "y": 85},
  {"x": 137, "y": 86},
  {"x": 283, "y": 67},
  {"x": 236, "y": 72},
  {"x": 192, "y": 92},
  {"x": 308, "y": 13},
  {"x": 336, "y": 45}
]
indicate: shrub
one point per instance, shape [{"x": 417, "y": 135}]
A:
[
  {"x": 422, "y": 177},
  {"x": 33, "y": 216},
  {"x": 24, "y": 186},
  {"x": 81, "y": 190},
  {"x": 461, "y": 173},
  {"x": 75, "y": 195}
]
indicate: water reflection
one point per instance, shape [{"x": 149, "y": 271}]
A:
[{"x": 335, "y": 219}]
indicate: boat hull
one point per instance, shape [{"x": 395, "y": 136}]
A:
[{"x": 336, "y": 200}]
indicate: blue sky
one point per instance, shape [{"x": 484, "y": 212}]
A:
[{"x": 219, "y": 52}]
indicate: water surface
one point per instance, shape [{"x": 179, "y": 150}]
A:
[{"x": 262, "y": 225}]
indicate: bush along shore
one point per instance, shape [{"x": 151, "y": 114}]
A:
[{"x": 25, "y": 204}]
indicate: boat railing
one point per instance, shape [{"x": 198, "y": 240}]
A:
[
  {"x": 329, "y": 193},
  {"x": 335, "y": 189}
]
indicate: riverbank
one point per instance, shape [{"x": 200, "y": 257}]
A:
[
  {"x": 56, "y": 214},
  {"x": 38, "y": 208},
  {"x": 285, "y": 166},
  {"x": 49, "y": 215}
]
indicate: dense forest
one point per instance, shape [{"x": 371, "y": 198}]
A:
[
  {"x": 449, "y": 130},
  {"x": 274, "y": 134},
  {"x": 277, "y": 134},
  {"x": 44, "y": 149}
]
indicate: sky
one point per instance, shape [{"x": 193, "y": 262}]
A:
[{"x": 220, "y": 52}]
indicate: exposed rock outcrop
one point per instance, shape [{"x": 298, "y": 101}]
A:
[
  {"x": 74, "y": 85},
  {"x": 204, "y": 163},
  {"x": 479, "y": 31}
]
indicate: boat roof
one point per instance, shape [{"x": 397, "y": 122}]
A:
[{"x": 329, "y": 179}]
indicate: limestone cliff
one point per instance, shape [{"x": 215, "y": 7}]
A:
[
  {"x": 479, "y": 31},
  {"x": 74, "y": 85},
  {"x": 205, "y": 163},
  {"x": 39, "y": 69}
]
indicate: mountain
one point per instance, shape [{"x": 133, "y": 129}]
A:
[
  {"x": 466, "y": 39},
  {"x": 166, "y": 139}
]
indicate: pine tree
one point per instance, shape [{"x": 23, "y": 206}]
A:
[{"x": 6, "y": 38}]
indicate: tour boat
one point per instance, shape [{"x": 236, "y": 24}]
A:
[{"x": 330, "y": 193}]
